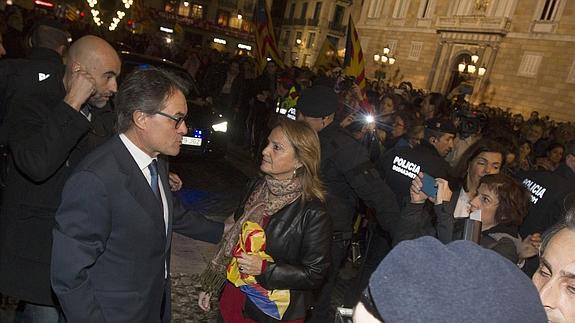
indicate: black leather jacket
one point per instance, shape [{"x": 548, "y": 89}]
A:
[{"x": 298, "y": 238}]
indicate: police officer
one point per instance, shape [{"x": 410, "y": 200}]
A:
[
  {"x": 549, "y": 194},
  {"x": 401, "y": 165},
  {"x": 347, "y": 175},
  {"x": 20, "y": 77},
  {"x": 49, "y": 41}
]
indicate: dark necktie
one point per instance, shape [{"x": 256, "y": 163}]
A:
[
  {"x": 154, "y": 183},
  {"x": 85, "y": 110}
]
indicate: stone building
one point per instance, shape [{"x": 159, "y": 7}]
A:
[
  {"x": 524, "y": 49},
  {"x": 307, "y": 24},
  {"x": 226, "y": 25}
]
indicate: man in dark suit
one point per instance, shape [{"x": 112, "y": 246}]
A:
[
  {"x": 110, "y": 259},
  {"x": 50, "y": 126}
]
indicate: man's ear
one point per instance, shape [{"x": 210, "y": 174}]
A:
[
  {"x": 570, "y": 162},
  {"x": 140, "y": 119}
]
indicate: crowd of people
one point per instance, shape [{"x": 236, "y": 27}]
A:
[{"x": 87, "y": 211}]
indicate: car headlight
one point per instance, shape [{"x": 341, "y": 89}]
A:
[{"x": 221, "y": 127}]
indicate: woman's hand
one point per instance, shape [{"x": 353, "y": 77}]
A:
[
  {"x": 204, "y": 301},
  {"x": 250, "y": 264},
  {"x": 415, "y": 192},
  {"x": 175, "y": 182},
  {"x": 347, "y": 120},
  {"x": 530, "y": 246},
  {"x": 443, "y": 191}
]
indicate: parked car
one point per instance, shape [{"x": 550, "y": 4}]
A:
[{"x": 207, "y": 129}]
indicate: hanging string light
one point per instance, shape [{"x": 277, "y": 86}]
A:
[{"x": 115, "y": 20}]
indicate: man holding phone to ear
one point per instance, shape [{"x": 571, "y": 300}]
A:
[{"x": 49, "y": 130}]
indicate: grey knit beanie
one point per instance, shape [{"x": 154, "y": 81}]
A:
[{"x": 424, "y": 280}]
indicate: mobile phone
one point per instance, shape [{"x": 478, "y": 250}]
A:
[
  {"x": 475, "y": 215},
  {"x": 429, "y": 186}
]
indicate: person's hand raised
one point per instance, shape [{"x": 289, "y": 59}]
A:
[
  {"x": 415, "y": 192},
  {"x": 80, "y": 86},
  {"x": 443, "y": 191},
  {"x": 204, "y": 301}
]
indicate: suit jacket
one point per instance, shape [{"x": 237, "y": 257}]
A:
[
  {"x": 47, "y": 139},
  {"x": 110, "y": 244}
]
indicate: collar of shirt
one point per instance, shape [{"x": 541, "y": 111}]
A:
[
  {"x": 85, "y": 111},
  {"x": 142, "y": 159}
]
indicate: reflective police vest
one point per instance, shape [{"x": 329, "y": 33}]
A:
[
  {"x": 401, "y": 165},
  {"x": 286, "y": 106},
  {"x": 546, "y": 194}
]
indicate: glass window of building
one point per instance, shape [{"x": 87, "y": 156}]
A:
[
  {"x": 310, "y": 40},
  {"x": 291, "y": 11},
  {"x": 303, "y": 10},
  {"x": 426, "y": 9},
  {"x": 317, "y": 11},
  {"x": 234, "y": 22},
  {"x": 197, "y": 11},
  {"x": 400, "y": 9},
  {"x": 286, "y": 37},
  {"x": 549, "y": 10},
  {"x": 333, "y": 40},
  {"x": 223, "y": 18},
  {"x": 338, "y": 15},
  {"x": 184, "y": 8},
  {"x": 374, "y": 9},
  {"x": 170, "y": 6}
]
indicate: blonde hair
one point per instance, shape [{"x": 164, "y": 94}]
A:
[{"x": 307, "y": 149}]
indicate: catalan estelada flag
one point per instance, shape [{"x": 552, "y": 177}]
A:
[
  {"x": 253, "y": 242},
  {"x": 327, "y": 58},
  {"x": 266, "y": 47},
  {"x": 354, "y": 62}
]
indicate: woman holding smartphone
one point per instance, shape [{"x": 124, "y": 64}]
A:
[{"x": 501, "y": 201}]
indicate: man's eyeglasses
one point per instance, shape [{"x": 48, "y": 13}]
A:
[{"x": 178, "y": 119}]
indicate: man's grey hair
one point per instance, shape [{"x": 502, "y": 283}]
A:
[
  {"x": 145, "y": 90},
  {"x": 567, "y": 223}
]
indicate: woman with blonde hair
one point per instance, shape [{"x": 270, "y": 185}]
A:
[{"x": 278, "y": 250}]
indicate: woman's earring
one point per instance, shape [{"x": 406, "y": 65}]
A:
[{"x": 294, "y": 173}]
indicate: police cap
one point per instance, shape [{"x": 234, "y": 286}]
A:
[
  {"x": 441, "y": 125},
  {"x": 317, "y": 102}
]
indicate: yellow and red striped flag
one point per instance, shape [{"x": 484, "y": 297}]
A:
[
  {"x": 327, "y": 58},
  {"x": 354, "y": 62},
  {"x": 266, "y": 48}
]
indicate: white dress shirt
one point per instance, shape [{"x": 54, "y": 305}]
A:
[{"x": 144, "y": 160}]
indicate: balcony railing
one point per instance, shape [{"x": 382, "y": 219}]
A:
[
  {"x": 312, "y": 22},
  {"x": 202, "y": 24},
  {"x": 498, "y": 25},
  {"x": 299, "y": 21},
  {"x": 229, "y": 3},
  {"x": 337, "y": 27}
]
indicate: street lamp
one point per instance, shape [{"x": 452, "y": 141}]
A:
[
  {"x": 471, "y": 68},
  {"x": 383, "y": 60}
]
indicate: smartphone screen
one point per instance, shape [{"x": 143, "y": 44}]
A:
[
  {"x": 475, "y": 215},
  {"x": 429, "y": 186}
]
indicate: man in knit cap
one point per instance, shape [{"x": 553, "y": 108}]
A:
[{"x": 424, "y": 280}]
